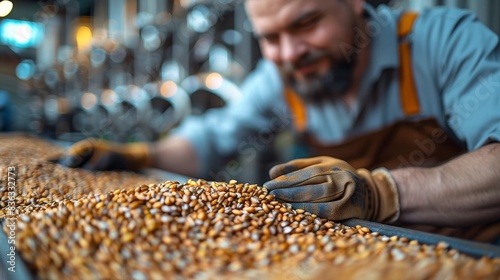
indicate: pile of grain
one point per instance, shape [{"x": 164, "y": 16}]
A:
[{"x": 205, "y": 230}]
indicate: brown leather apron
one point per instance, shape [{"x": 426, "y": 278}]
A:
[{"x": 405, "y": 143}]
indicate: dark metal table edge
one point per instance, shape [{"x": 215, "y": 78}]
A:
[{"x": 471, "y": 248}]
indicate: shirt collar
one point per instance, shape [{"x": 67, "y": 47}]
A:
[{"x": 381, "y": 28}]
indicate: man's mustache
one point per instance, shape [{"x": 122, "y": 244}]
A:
[
  {"x": 306, "y": 60},
  {"x": 318, "y": 87}
]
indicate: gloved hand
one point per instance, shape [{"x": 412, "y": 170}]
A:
[
  {"x": 98, "y": 154},
  {"x": 333, "y": 189}
]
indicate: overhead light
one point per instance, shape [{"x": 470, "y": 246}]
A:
[
  {"x": 5, "y": 8},
  {"x": 89, "y": 100},
  {"x": 168, "y": 89},
  {"x": 84, "y": 38}
]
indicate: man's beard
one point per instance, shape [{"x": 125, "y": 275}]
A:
[{"x": 321, "y": 87}]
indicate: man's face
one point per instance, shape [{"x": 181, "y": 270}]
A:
[{"x": 309, "y": 42}]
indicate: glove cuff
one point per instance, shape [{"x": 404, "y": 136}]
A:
[{"x": 389, "y": 208}]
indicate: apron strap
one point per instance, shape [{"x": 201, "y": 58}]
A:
[
  {"x": 407, "y": 87},
  {"x": 408, "y": 90},
  {"x": 298, "y": 109}
]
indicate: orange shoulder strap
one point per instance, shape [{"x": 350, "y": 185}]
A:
[{"x": 407, "y": 87}]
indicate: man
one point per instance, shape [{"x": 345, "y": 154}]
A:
[{"x": 413, "y": 98}]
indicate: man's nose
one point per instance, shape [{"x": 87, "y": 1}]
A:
[{"x": 291, "y": 49}]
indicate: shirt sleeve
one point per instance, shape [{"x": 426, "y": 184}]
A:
[
  {"x": 467, "y": 69},
  {"x": 243, "y": 127}
]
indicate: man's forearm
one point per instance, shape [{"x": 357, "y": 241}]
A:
[
  {"x": 462, "y": 192},
  {"x": 176, "y": 155}
]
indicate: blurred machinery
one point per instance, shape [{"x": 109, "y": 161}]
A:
[
  {"x": 126, "y": 70},
  {"x": 209, "y": 90}
]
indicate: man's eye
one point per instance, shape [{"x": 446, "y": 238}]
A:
[{"x": 308, "y": 22}]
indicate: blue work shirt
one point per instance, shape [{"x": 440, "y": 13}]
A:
[{"x": 456, "y": 68}]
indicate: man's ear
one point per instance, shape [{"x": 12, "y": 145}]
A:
[{"x": 358, "y": 6}]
